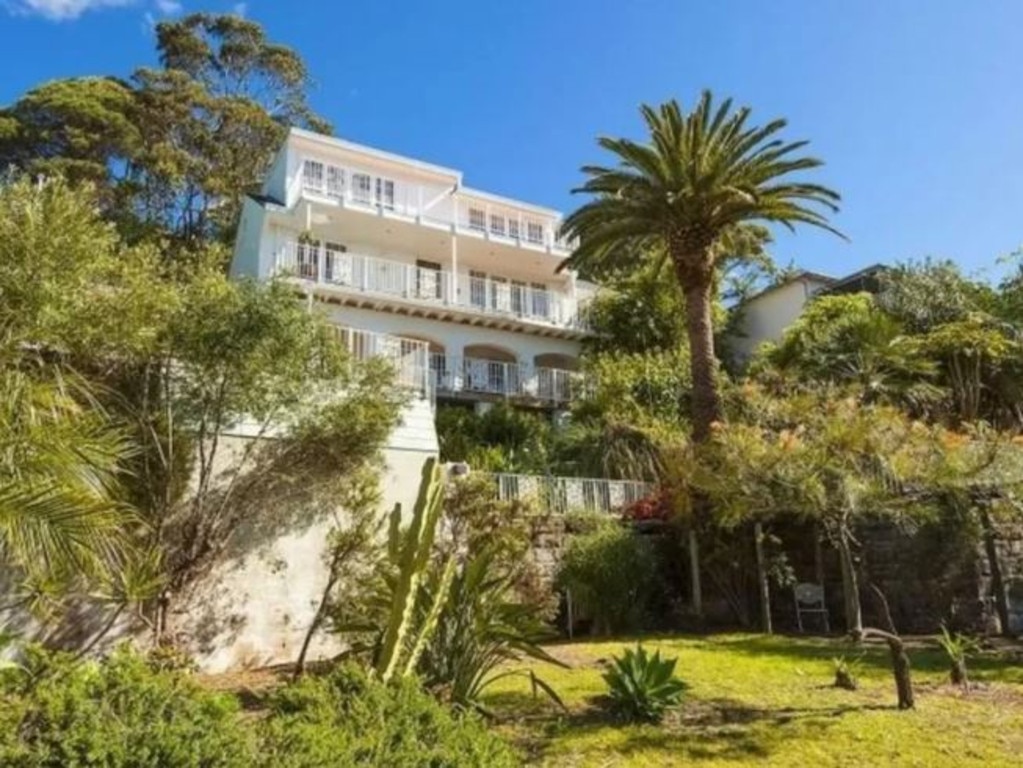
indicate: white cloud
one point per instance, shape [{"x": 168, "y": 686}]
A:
[
  {"x": 61, "y": 10},
  {"x": 240, "y": 9},
  {"x": 168, "y": 7}
]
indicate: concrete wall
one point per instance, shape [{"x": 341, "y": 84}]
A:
[{"x": 254, "y": 607}]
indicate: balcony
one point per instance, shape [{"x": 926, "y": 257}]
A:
[
  {"x": 409, "y": 357},
  {"x": 559, "y": 495},
  {"x": 353, "y": 274},
  {"x": 457, "y": 210},
  {"x": 456, "y": 375}
]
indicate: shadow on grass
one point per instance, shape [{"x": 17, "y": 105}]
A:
[{"x": 701, "y": 729}]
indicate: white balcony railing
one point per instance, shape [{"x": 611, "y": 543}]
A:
[
  {"x": 409, "y": 357},
  {"x": 358, "y": 273},
  {"x": 559, "y": 495},
  {"x": 454, "y": 374},
  {"x": 364, "y": 189}
]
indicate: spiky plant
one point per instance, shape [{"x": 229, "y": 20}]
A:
[{"x": 641, "y": 687}]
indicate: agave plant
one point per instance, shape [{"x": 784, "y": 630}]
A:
[{"x": 641, "y": 686}]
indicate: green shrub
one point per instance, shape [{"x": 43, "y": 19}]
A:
[
  {"x": 641, "y": 687},
  {"x": 504, "y": 439},
  {"x": 121, "y": 712},
  {"x": 348, "y": 719},
  {"x": 612, "y": 575}
]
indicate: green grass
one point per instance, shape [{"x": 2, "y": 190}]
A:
[{"x": 768, "y": 701}]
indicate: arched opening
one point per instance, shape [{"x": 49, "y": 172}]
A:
[
  {"x": 554, "y": 374},
  {"x": 490, "y": 352},
  {"x": 557, "y": 360},
  {"x": 491, "y": 369},
  {"x": 437, "y": 361}
]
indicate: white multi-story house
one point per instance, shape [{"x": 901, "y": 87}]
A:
[{"x": 459, "y": 286}]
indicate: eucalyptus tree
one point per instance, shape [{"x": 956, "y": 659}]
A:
[
  {"x": 699, "y": 181},
  {"x": 173, "y": 148}
]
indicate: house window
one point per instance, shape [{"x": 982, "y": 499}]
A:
[
  {"x": 385, "y": 194},
  {"x": 307, "y": 257},
  {"x": 337, "y": 266},
  {"x": 335, "y": 181},
  {"x": 362, "y": 188},
  {"x": 518, "y": 297},
  {"x": 500, "y": 294},
  {"x": 478, "y": 289},
  {"x": 428, "y": 279},
  {"x": 541, "y": 300},
  {"x": 312, "y": 175},
  {"x": 478, "y": 219},
  {"x": 534, "y": 231},
  {"x": 513, "y": 228},
  {"x": 439, "y": 370},
  {"x": 496, "y": 224}
]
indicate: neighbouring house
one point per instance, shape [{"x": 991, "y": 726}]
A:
[{"x": 766, "y": 315}]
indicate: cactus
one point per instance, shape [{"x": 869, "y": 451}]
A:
[
  {"x": 412, "y": 551},
  {"x": 440, "y": 597}
]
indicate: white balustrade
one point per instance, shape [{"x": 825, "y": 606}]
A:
[
  {"x": 320, "y": 263},
  {"x": 459, "y": 375},
  {"x": 565, "y": 494},
  {"x": 367, "y": 189},
  {"x": 410, "y": 357}
]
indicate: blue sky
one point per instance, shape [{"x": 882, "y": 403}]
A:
[{"x": 916, "y": 105}]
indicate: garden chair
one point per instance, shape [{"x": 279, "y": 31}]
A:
[{"x": 810, "y": 600}]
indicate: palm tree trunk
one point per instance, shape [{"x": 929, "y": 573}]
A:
[
  {"x": 706, "y": 407},
  {"x": 703, "y": 363}
]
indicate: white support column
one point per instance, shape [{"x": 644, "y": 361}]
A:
[
  {"x": 308, "y": 217},
  {"x": 453, "y": 288}
]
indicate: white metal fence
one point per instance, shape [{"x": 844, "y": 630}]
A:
[{"x": 564, "y": 494}]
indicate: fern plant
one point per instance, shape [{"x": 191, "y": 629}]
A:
[{"x": 641, "y": 686}]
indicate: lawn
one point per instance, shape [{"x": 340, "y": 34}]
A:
[{"x": 768, "y": 701}]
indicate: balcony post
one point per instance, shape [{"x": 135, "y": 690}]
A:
[
  {"x": 452, "y": 297},
  {"x": 321, "y": 254}
]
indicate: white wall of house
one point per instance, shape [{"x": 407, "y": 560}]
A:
[{"x": 766, "y": 316}]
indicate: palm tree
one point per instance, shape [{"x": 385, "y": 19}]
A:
[
  {"x": 60, "y": 519},
  {"x": 703, "y": 179}
]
